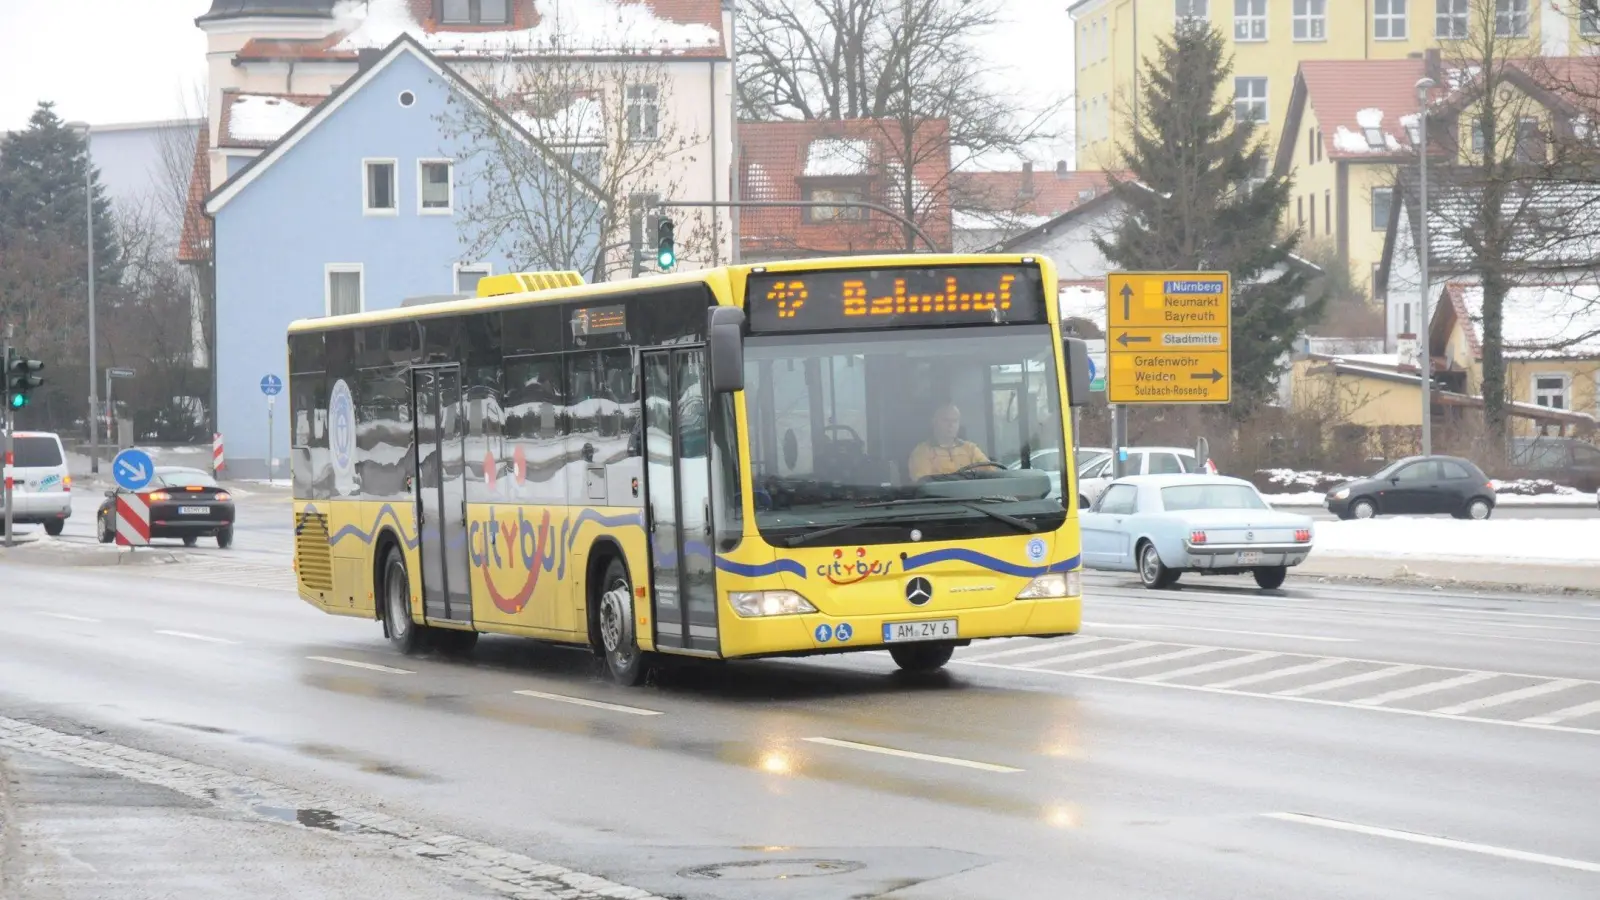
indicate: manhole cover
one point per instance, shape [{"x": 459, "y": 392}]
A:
[{"x": 773, "y": 869}]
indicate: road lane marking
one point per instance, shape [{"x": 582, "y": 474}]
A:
[
  {"x": 354, "y": 664},
  {"x": 912, "y": 754},
  {"x": 1297, "y": 637},
  {"x": 1429, "y": 688},
  {"x": 1519, "y": 637},
  {"x": 68, "y": 616},
  {"x": 1073, "y": 657},
  {"x": 197, "y": 637},
  {"x": 1562, "y": 715},
  {"x": 1144, "y": 661},
  {"x": 1078, "y": 641},
  {"x": 1317, "y": 666},
  {"x": 1213, "y": 666},
  {"x": 1537, "y": 690},
  {"x": 597, "y": 704},
  {"x": 1360, "y": 678},
  {"x": 1432, "y": 841}
]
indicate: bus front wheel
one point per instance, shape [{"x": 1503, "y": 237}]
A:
[
  {"x": 625, "y": 662},
  {"x": 922, "y": 657},
  {"x": 404, "y": 634}
]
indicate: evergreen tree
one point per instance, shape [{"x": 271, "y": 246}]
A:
[
  {"x": 42, "y": 197},
  {"x": 1198, "y": 195}
]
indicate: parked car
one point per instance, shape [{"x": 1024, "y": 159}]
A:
[
  {"x": 42, "y": 485},
  {"x": 184, "y": 503},
  {"x": 1563, "y": 460},
  {"x": 1416, "y": 485},
  {"x": 1163, "y": 526},
  {"x": 1049, "y": 462},
  {"x": 1094, "y": 476}
]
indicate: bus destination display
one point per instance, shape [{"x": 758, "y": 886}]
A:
[{"x": 885, "y": 298}]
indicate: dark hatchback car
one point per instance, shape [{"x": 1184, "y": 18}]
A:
[
  {"x": 184, "y": 503},
  {"x": 1417, "y": 485}
]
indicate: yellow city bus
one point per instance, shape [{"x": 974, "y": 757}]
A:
[{"x": 794, "y": 458}]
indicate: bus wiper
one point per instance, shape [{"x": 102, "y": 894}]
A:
[
  {"x": 807, "y": 538},
  {"x": 972, "y": 504}
]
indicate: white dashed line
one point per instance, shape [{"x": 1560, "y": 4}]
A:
[
  {"x": 68, "y": 616},
  {"x": 911, "y": 754},
  {"x": 1362, "y": 678},
  {"x": 197, "y": 637},
  {"x": 597, "y": 704},
  {"x": 1537, "y": 690},
  {"x": 355, "y": 664},
  {"x": 1275, "y": 634},
  {"x": 1429, "y": 688},
  {"x": 1562, "y": 715},
  {"x": 1432, "y": 841}
]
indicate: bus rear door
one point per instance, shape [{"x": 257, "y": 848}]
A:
[{"x": 441, "y": 492}]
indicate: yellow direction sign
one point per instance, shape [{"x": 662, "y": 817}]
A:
[{"x": 1169, "y": 337}]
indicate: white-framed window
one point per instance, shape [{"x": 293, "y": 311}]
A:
[
  {"x": 1382, "y": 199},
  {"x": 380, "y": 187},
  {"x": 1249, "y": 20},
  {"x": 1450, "y": 19},
  {"x": 1250, "y": 98},
  {"x": 465, "y": 276},
  {"x": 1552, "y": 390},
  {"x": 436, "y": 192},
  {"x": 1511, "y": 18},
  {"x": 1310, "y": 20},
  {"x": 344, "y": 286},
  {"x": 644, "y": 112},
  {"x": 475, "y": 12},
  {"x": 1190, "y": 9},
  {"x": 1389, "y": 20},
  {"x": 1589, "y": 25}
]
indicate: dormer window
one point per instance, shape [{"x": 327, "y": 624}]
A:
[
  {"x": 475, "y": 12},
  {"x": 1374, "y": 137}
]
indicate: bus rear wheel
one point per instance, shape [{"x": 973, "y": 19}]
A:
[
  {"x": 922, "y": 657},
  {"x": 619, "y": 645},
  {"x": 405, "y": 634}
]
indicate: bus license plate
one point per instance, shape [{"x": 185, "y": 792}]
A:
[
  {"x": 1249, "y": 557},
  {"x": 194, "y": 510},
  {"x": 936, "y": 630}
]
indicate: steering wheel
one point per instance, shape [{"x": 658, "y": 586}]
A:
[{"x": 981, "y": 463}]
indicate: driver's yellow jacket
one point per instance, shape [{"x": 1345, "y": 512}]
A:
[{"x": 933, "y": 459}]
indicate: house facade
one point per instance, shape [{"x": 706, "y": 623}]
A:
[{"x": 353, "y": 209}]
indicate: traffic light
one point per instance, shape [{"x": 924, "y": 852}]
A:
[
  {"x": 20, "y": 378},
  {"x": 666, "y": 253}
]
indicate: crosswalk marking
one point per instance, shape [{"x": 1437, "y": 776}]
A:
[
  {"x": 1346, "y": 681},
  {"x": 1537, "y": 690},
  {"x": 1562, "y": 715},
  {"x": 1073, "y": 657},
  {"x": 1276, "y": 673},
  {"x": 1429, "y": 688},
  {"x": 1147, "y": 660},
  {"x": 1035, "y": 647},
  {"x": 1213, "y": 666}
]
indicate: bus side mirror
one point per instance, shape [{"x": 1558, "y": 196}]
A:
[
  {"x": 725, "y": 335},
  {"x": 1078, "y": 379}
]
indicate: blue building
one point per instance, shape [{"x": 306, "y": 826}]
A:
[{"x": 354, "y": 208}]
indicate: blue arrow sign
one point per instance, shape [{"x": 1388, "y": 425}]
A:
[
  {"x": 132, "y": 469},
  {"x": 271, "y": 385}
]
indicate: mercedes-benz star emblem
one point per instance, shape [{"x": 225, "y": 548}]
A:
[
  {"x": 918, "y": 591},
  {"x": 1249, "y": 535}
]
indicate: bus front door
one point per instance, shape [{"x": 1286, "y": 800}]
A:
[
  {"x": 678, "y": 508},
  {"x": 441, "y": 493}
]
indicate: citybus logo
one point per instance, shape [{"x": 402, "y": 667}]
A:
[
  {"x": 518, "y": 546},
  {"x": 850, "y": 571}
]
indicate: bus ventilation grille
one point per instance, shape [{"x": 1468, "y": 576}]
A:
[
  {"x": 520, "y": 282},
  {"x": 313, "y": 556}
]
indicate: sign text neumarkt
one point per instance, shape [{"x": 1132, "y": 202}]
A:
[{"x": 1169, "y": 337}]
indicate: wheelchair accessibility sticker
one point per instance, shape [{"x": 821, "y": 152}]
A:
[{"x": 844, "y": 632}]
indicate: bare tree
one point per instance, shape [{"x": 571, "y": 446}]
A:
[{"x": 564, "y": 146}]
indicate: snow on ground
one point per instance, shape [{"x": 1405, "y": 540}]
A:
[{"x": 1569, "y": 542}]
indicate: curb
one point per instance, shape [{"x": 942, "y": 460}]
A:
[{"x": 95, "y": 558}]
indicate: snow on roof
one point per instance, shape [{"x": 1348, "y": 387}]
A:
[
  {"x": 1369, "y": 118},
  {"x": 985, "y": 220},
  {"x": 1079, "y": 301},
  {"x": 264, "y": 118},
  {"x": 568, "y": 26},
  {"x": 832, "y": 157},
  {"x": 581, "y": 122},
  {"x": 1391, "y": 360},
  {"x": 1543, "y": 321}
]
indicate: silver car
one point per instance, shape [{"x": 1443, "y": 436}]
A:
[{"x": 43, "y": 486}]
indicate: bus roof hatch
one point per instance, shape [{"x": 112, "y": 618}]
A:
[{"x": 519, "y": 282}]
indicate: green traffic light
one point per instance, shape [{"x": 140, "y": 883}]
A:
[
  {"x": 18, "y": 401},
  {"x": 666, "y": 258}
]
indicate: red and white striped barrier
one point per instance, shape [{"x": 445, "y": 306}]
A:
[
  {"x": 216, "y": 455},
  {"x": 133, "y": 520}
]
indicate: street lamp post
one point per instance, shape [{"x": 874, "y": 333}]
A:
[
  {"x": 82, "y": 130},
  {"x": 1425, "y": 360}
]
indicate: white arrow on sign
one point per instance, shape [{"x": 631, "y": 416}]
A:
[{"x": 137, "y": 472}]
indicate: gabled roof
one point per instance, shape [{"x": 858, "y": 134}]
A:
[
  {"x": 405, "y": 44},
  {"x": 1348, "y": 97},
  {"x": 251, "y": 119},
  {"x": 1025, "y": 196},
  {"x": 1537, "y": 321},
  {"x": 194, "y": 244}
]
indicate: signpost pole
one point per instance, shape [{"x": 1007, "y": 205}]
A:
[
  {"x": 8, "y": 420},
  {"x": 271, "y": 463},
  {"x": 1119, "y": 440}
]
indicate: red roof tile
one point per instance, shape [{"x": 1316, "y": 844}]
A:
[
  {"x": 263, "y": 131},
  {"x": 784, "y": 160},
  {"x": 1338, "y": 90},
  {"x": 1028, "y": 193},
  {"x": 194, "y": 245}
]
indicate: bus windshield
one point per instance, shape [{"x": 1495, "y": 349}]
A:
[{"x": 869, "y": 434}]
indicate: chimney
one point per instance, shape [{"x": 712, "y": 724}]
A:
[
  {"x": 1431, "y": 65},
  {"x": 1061, "y": 168},
  {"x": 1027, "y": 178},
  {"x": 366, "y": 57}
]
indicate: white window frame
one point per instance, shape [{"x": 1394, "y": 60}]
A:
[
  {"x": 1372, "y": 206},
  {"x": 1566, "y": 389},
  {"x": 1310, "y": 16},
  {"x": 1588, "y": 23},
  {"x": 1251, "y": 26},
  {"x": 487, "y": 268},
  {"x": 1454, "y": 14},
  {"x": 654, "y": 103},
  {"x": 1197, "y": 9},
  {"x": 1391, "y": 18},
  {"x": 1506, "y": 14},
  {"x": 1265, "y": 99},
  {"x": 328, "y": 270},
  {"x": 394, "y": 186},
  {"x": 449, "y": 208}
]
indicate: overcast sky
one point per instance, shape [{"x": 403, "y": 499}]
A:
[{"x": 116, "y": 61}]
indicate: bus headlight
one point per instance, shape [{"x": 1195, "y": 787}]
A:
[
  {"x": 769, "y": 603},
  {"x": 1053, "y": 586}
]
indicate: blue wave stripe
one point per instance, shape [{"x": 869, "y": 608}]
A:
[
  {"x": 635, "y": 520},
  {"x": 986, "y": 561},
  {"x": 365, "y": 537},
  {"x": 762, "y": 569}
]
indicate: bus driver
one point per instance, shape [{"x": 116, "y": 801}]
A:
[{"x": 946, "y": 453}]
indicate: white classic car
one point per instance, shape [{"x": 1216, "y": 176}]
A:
[{"x": 1164, "y": 525}]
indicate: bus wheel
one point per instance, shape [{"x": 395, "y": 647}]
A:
[
  {"x": 625, "y": 662},
  {"x": 404, "y": 634},
  {"x": 922, "y": 657}
]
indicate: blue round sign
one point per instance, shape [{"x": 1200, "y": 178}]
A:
[
  {"x": 271, "y": 385},
  {"x": 341, "y": 426},
  {"x": 132, "y": 469},
  {"x": 1091, "y": 369},
  {"x": 823, "y": 633},
  {"x": 844, "y": 632}
]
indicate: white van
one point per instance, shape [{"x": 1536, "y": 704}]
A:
[{"x": 43, "y": 487}]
